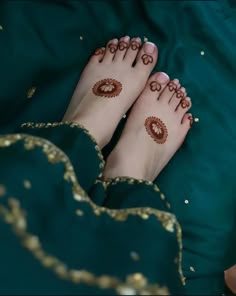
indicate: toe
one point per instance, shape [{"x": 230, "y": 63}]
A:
[
  {"x": 177, "y": 96},
  {"x": 156, "y": 83},
  {"x": 183, "y": 106},
  {"x": 146, "y": 58},
  {"x": 169, "y": 91},
  {"x": 111, "y": 49},
  {"x": 123, "y": 46},
  {"x": 187, "y": 121},
  {"x": 131, "y": 54},
  {"x": 98, "y": 55}
]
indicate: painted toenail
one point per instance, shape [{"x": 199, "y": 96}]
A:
[
  {"x": 149, "y": 47},
  {"x": 162, "y": 77}
]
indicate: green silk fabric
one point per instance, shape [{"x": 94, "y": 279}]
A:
[{"x": 46, "y": 44}]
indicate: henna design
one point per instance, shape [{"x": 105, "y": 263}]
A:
[
  {"x": 156, "y": 129},
  {"x": 134, "y": 45},
  {"x": 112, "y": 47},
  {"x": 172, "y": 86},
  {"x": 180, "y": 94},
  {"x": 107, "y": 88},
  {"x": 155, "y": 86},
  {"x": 190, "y": 117},
  {"x": 147, "y": 59},
  {"x": 123, "y": 45},
  {"x": 184, "y": 103},
  {"x": 99, "y": 51}
]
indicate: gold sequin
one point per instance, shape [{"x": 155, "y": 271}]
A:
[
  {"x": 192, "y": 269},
  {"x": 79, "y": 213},
  {"x": 2, "y": 190},
  {"x": 135, "y": 256},
  {"x": 31, "y": 92},
  {"x": 27, "y": 184}
]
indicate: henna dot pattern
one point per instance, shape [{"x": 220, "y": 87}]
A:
[
  {"x": 107, "y": 88},
  {"x": 147, "y": 59},
  {"x": 112, "y": 47},
  {"x": 180, "y": 94},
  {"x": 123, "y": 45},
  {"x": 156, "y": 128},
  {"x": 172, "y": 86},
  {"x": 134, "y": 45},
  {"x": 184, "y": 103},
  {"x": 155, "y": 86},
  {"x": 99, "y": 51}
]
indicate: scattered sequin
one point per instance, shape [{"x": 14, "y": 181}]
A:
[
  {"x": 124, "y": 116},
  {"x": 27, "y": 184},
  {"x": 79, "y": 213},
  {"x": 1, "y": 28},
  {"x": 134, "y": 256},
  {"x": 186, "y": 201},
  {"x": 192, "y": 269},
  {"x": 2, "y": 190},
  {"x": 196, "y": 119},
  {"x": 81, "y": 37},
  {"x": 202, "y": 52},
  {"x": 145, "y": 39},
  {"x": 31, "y": 92}
]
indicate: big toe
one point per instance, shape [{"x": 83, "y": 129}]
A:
[{"x": 147, "y": 58}]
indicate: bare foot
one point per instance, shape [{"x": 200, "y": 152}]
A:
[
  {"x": 156, "y": 128},
  {"x": 109, "y": 85}
]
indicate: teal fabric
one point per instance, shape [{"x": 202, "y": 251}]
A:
[
  {"x": 41, "y": 47},
  {"x": 92, "y": 241}
]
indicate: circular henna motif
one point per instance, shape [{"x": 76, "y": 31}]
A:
[
  {"x": 112, "y": 47},
  {"x": 156, "y": 129},
  {"x": 180, "y": 94},
  {"x": 134, "y": 45},
  {"x": 155, "y": 86},
  {"x": 123, "y": 45},
  {"x": 147, "y": 59},
  {"x": 184, "y": 103},
  {"x": 172, "y": 86},
  {"x": 99, "y": 51},
  {"x": 107, "y": 88}
]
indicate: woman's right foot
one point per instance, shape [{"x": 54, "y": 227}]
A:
[
  {"x": 109, "y": 85},
  {"x": 155, "y": 129}
]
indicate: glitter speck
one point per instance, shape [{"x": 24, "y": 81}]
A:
[
  {"x": 27, "y": 184},
  {"x": 192, "y": 269},
  {"x": 124, "y": 116},
  {"x": 186, "y": 201},
  {"x": 196, "y": 119},
  {"x": 202, "y": 52},
  {"x": 134, "y": 255},
  {"x": 1, "y": 28},
  {"x": 81, "y": 37},
  {"x": 145, "y": 39}
]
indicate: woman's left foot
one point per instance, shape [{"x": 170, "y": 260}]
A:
[{"x": 156, "y": 128}]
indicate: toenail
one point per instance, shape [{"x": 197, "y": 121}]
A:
[
  {"x": 126, "y": 38},
  {"x": 149, "y": 47},
  {"x": 138, "y": 39},
  {"x": 114, "y": 41},
  {"x": 162, "y": 77}
]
